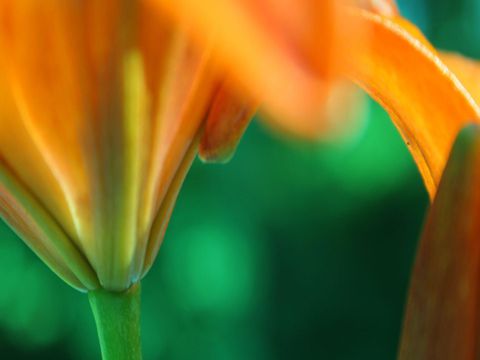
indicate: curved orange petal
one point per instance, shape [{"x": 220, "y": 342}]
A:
[
  {"x": 467, "y": 71},
  {"x": 48, "y": 93},
  {"x": 426, "y": 101},
  {"x": 26, "y": 161},
  {"x": 63, "y": 69},
  {"x": 184, "y": 93}
]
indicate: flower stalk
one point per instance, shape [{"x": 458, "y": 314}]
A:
[{"x": 117, "y": 316}]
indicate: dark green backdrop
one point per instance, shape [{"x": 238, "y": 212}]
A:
[{"x": 290, "y": 251}]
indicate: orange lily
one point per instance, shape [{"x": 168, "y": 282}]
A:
[
  {"x": 135, "y": 111},
  {"x": 110, "y": 99},
  {"x": 103, "y": 106},
  {"x": 86, "y": 113},
  {"x": 106, "y": 101},
  {"x": 113, "y": 121}
]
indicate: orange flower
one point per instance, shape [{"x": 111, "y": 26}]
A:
[
  {"x": 104, "y": 104},
  {"x": 101, "y": 116},
  {"x": 108, "y": 102}
]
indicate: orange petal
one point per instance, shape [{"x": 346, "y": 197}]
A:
[
  {"x": 42, "y": 233},
  {"x": 426, "y": 101},
  {"x": 28, "y": 163},
  {"x": 163, "y": 214},
  {"x": 442, "y": 313},
  {"x": 183, "y": 97},
  {"x": 467, "y": 71},
  {"x": 57, "y": 100},
  {"x": 281, "y": 52},
  {"x": 50, "y": 92},
  {"x": 227, "y": 120}
]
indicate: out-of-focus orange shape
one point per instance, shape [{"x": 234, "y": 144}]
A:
[
  {"x": 343, "y": 104},
  {"x": 441, "y": 320},
  {"x": 280, "y": 52}
]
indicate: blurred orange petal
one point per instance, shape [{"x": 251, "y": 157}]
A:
[
  {"x": 281, "y": 52},
  {"x": 341, "y": 114},
  {"x": 340, "y": 110}
]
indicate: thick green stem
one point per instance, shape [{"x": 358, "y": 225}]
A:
[{"x": 117, "y": 315}]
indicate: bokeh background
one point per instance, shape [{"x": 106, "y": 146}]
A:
[{"x": 290, "y": 251}]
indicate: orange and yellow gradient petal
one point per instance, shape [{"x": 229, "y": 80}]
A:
[{"x": 108, "y": 99}]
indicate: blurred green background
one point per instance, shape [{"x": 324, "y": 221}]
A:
[{"x": 290, "y": 251}]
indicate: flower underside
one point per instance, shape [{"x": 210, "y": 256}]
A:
[
  {"x": 108, "y": 124},
  {"x": 105, "y": 105}
]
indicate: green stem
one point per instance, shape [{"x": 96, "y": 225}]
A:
[{"x": 117, "y": 316}]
